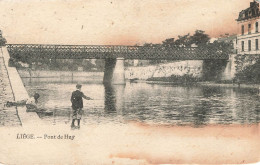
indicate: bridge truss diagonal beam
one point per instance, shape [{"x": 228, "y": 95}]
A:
[{"x": 115, "y": 51}]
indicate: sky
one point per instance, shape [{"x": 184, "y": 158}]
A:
[{"x": 114, "y": 22}]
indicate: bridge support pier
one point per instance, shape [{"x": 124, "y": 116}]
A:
[
  {"x": 114, "y": 71},
  {"x": 230, "y": 69}
]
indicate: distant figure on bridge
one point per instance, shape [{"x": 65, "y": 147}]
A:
[
  {"x": 30, "y": 103},
  {"x": 77, "y": 105}
]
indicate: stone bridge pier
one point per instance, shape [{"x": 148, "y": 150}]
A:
[
  {"x": 114, "y": 71},
  {"x": 230, "y": 69}
]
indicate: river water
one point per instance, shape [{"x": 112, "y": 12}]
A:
[{"x": 147, "y": 103}]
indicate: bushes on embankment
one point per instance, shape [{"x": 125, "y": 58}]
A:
[{"x": 249, "y": 74}]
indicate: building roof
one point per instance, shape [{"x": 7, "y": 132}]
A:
[{"x": 251, "y": 12}]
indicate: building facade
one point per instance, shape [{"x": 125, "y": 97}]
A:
[{"x": 249, "y": 30}]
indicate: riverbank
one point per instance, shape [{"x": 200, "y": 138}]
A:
[
  {"x": 212, "y": 84},
  {"x": 19, "y": 92},
  {"x": 255, "y": 86},
  {"x": 8, "y": 115}
]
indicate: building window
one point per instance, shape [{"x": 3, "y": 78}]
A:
[
  {"x": 256, "y": 44},
  {"x": 249, "y": 28},
  {"x": 256, "y": 27},
  {"x": 242, "y": 46},
  {"x": 242, "y": 29},
  {"x": 249, "y": 45}
]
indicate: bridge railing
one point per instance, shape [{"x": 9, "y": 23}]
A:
[{"x": 113, "y": 51}]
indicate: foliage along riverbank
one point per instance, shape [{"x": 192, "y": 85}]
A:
[
  {"x": 249, "y": 74},
  {"x": 209, "y": 84},
  {"x": 188, "y": 80}
]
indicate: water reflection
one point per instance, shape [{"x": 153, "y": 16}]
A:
[
  {"x": 110, "y": 99},
  {"x": 114, "y": 99},
  {"x": 150, "y": 103},
  {"x": 201, "y": 113}
]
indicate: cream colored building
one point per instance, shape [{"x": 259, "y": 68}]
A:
[{"x": 249, "y": 31}]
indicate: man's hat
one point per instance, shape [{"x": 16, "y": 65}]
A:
[{"x": 78, "y": 86}]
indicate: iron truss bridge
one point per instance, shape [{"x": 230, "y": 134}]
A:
[{"x": 114, "y": 51}]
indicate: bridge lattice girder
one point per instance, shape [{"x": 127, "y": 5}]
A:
[{"x": 114, "y": 51}]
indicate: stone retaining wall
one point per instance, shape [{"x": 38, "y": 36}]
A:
[
  {"x": 8, "y": 115},
  {"x": 178, "y": 68},
  {"x": 28, "y": 119},
  {"x": 26, "y": 73}
]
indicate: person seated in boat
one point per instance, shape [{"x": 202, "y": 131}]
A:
[{"x": 30, "y": 103}]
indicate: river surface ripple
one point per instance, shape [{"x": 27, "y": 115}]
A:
[{"x": 148, "y": 103}]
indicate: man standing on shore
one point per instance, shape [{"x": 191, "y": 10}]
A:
[{"x": 77, "y": 105}]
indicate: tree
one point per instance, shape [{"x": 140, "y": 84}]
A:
[
  {"x": 184, "y": 40},
  {"x": 199, "y": 38},
  {"x": 250, "y": 73},
  {"x": 168, "y": 43},
  {"x": 100, "y": 64},
  {"x": 181, "y": 41}
]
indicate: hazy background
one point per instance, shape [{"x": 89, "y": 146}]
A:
[{"x": 115, "y": 21}]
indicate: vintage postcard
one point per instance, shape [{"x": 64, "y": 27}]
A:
[{"x": 129, "y": 82}]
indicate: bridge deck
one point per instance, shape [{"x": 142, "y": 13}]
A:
[{"x": 115, "y": 51}]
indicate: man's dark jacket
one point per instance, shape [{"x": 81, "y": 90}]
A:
[{"x": 76, "y": 99}]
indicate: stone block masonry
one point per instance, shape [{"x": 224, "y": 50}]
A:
[
  {"x": 114, "y": 71},
  {"x": 28, "y": 119},
  {"x": 178, "y": 68},
  {"x": 8, "y": 115}
]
